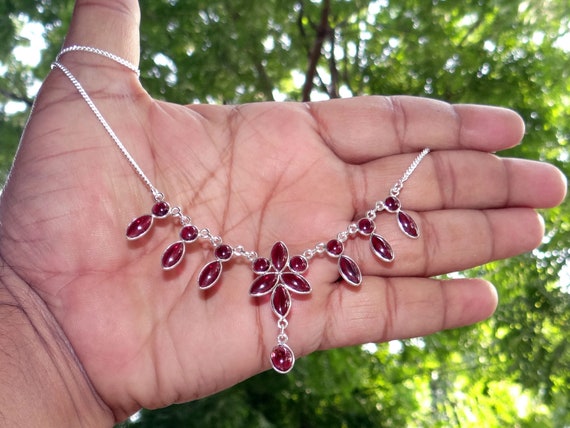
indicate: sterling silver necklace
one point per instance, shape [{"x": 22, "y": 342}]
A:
[{"x": 281, "y": 275}]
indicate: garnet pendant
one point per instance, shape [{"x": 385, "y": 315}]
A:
[
  {"x": 282, "y": 358},
  {"x": 139, "y": 227},
  {"x": 173, "y": 255},
  {"x": 408, "y": 225},
  {"x": 349, "y": 270},
  {"x": 279, "y": 256},
  {"x": 381, "y": 248},
  {"x": 263, "y": 284},
  {"x": 210, "y": 274},
  {"x": 281, "y": 301}
]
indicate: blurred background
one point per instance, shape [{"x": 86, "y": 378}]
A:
[{"x": 510, "y": 371}]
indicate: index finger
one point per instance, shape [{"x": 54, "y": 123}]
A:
[{"x": 362, "y": 129}]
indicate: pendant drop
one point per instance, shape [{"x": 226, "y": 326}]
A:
[
  {"x": 173, "y": 255},
  {"x": 405, "y": 221},
  {"x": 141, "y": 225},
  {"x": 281, "y": 276},
  {"x": 381, "y": 248},
  {"x": 408, "y": 225},
  {"x": 282, "y": 358},
  {"x": 347, "y": 268},
  {"x": 211, "y": 273}
]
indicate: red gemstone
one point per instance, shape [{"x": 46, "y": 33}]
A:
[
  {"x": 189, "y": 233},
  {"x": 408, "y": 225},
  {"x": 349, "y": 270},
  {"x": 366, "y": 226},
  {"x": 261, "y": 265},
  {"x": 160, "y": 209},
  {"x": 279, "y": 256},
  {"x": 392, "y": 204},
  {"x": 282, "y": 359},
  {"x": 210, "y": 274},
  {"x": 139, "y": 226},
  {"x": 381, "y": 248},
  {"x": 223, "y": 252},
  {"x": 281, "y": 301},
  {"x": 335, "y": 248},
  {"x": 296, "y": 283},
  {"x": 173, "y": 255},
  {"x": 263, "y": 284},
  {"x": 298, "y": 264}
]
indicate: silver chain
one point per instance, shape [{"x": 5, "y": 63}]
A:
[
  {"x": 109, "y": 55},
  {"x": 238, "y": 250},
  {"x": 395, "y": 191},
  {"x": 156, "y": 193}
]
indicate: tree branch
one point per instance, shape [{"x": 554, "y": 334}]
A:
[
  {"x": 12, "y": 96},
  {"x": 322, "y": 31}
]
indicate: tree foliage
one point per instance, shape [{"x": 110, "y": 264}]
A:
[{"x": 513, "y": 370}]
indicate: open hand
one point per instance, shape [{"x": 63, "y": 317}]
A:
[{"x": 253, "y": 175}]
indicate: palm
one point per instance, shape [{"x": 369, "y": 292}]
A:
[{"x": 252, "y": 175}]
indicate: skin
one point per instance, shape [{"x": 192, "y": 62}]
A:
[{"x": 92, "y": 328}]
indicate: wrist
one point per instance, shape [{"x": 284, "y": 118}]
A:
[{"x": 43, "y": 383}]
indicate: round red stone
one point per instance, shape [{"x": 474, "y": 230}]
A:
[
  {"x": 282, "y": 359},
  {"x": 365, "y": 226},
  {"x": 139, "y": 226},
  {"x": 210, "y": 274},
  {"x": 189, "y": 233},
  {"x": 349, "y": 270},
  {"x": 173, "y": 255},
  {"x": 335, "y": 247},
  {"x": 298, "y": 264},
  {"x": 160, "y": 209},
  {"x": 223, "y": 252},
  {"x": 261, "y": 265},
  {"x": 392, "y": 203}
]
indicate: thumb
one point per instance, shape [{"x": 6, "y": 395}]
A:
[{"x": 110, "y": 25}]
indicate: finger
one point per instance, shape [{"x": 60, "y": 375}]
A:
[
  {"x": 398, "y": 308},
  {"x": 461, "y": 179},
  {"x": 111, "y": 25},
  {"x": 451, "y": 240},
  {"x": 362, "y": 129}
]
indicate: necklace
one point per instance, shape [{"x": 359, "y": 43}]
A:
[{"x": 280, "y": 275}]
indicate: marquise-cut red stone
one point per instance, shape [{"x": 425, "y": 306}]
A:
[
  {"x": 279, "y": 256},
  {"x": 408, "y": 225},
  {"x": 173, "y": 255},
  {"x": 223, "y": 252},
  {"x": 381, "y": 248},
  {"x": 392, "y": 204},
  {"x": 296, "y": 283},
  {"x": 261, "y": 265},
  {"x": 160, "y": 209},
  {"x": 139, "y": 226},
  {"x": 210, "y": 274},
  {"x": 282, "y": 359},
  {"x": 335, "y": 247},
  {"x": 281, "y": 301},
  {"x": 349, "y": 270},
  {"x": 365, "y": 226},
  {"x": 298, "y": 264},
  {"x": 263, "y": 284},
  {"x": 189, "y": 233}
]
